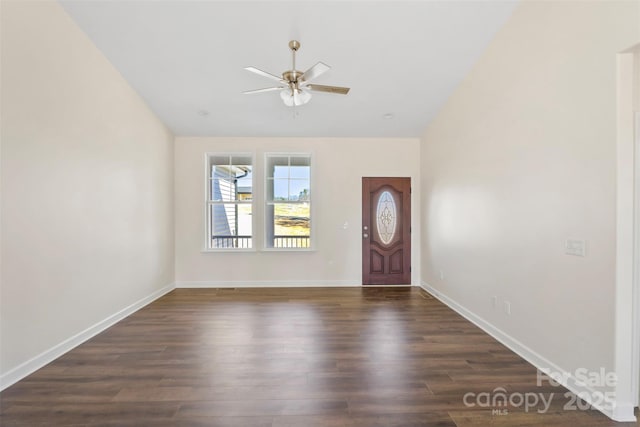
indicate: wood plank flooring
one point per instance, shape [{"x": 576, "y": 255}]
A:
[{"x": 287, "y": 357}]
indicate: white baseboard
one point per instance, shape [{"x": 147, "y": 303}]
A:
[
  {"x": 32, "y": 365},
  {"x": 621, "y": 413},
  {"x": 268, "y": 284}
]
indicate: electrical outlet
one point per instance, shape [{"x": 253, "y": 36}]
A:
[
  {"x": 507, "y": 307},
  {"x": 441, "y": 275},
  {"x": 494, "y": 302},
  {"x": 575, "y": 247}
]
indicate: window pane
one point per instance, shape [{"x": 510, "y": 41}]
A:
[
  {"x": 231, "y": 225},
  {"x": 219, "y": 166},
  {"x": 228, "y": 190},
  {"x": 278, "y": 167},
  {"x": 292, "y": 225},
  {"x": 241, "y": 160},
  {"x": 281, "y": 172},
  {"x": 280, "y": 189},
  {"x": 300, "y": 161},
  {"x": 222, "y": 190},
  {"x": 299, "y": 190},
  {"x": 244, "y": 183},
  {"x": 299, "y": 172},
  {"x": 245, "y": 188},
  {"x": 219, "y": 160}
]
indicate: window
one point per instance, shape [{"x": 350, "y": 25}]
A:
[
  {"x": 229, "y": 201},
  {"x": 288, "y": 201}
]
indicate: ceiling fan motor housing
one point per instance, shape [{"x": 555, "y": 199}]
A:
[{"x": 292, "y": 76}]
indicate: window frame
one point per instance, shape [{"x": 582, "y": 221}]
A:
[
  {"x": 266, "y": 202},
  {"x": 208, "y": 202}
]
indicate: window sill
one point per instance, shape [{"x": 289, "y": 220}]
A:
[
  {"x": 248, "y": 251},
  {"x": 288, "y": 249},
  {"x": 230, "y": 250}
]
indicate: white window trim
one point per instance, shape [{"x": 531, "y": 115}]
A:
[
  {"x": 207, "y": 189},
  {"x": 266, "y": 202}
]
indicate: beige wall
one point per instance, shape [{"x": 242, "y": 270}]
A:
[
  {"x": 521, "y": 158},
  {"x": 339, "y": 165},
  {"x": 87, "y": 186}
]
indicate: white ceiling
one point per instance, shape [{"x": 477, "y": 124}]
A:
[{"x": 186, "y": 59}]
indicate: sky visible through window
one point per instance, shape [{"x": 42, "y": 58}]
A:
[{"x": 291, "y": 183}]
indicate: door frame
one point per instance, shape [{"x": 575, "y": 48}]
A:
[
  {"x": 627, "y": 276},
  {"x": 407, "y": 232},
  {"x": 636, "y": 263}
]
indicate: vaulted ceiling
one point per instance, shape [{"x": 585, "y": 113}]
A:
[{"x": 402, "y": 60}]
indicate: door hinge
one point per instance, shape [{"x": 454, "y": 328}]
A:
[{"x": 409, "y": 269}]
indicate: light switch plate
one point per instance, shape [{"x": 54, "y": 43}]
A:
[{"x": 575, "y": 247}]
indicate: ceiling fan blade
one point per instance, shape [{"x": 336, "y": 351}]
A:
[
  {"x": 265, "y": 74},
  {"x": 330, "y": 89},
  {"x": 266, "y": 89},
  {"x": 315, "y": 71}
]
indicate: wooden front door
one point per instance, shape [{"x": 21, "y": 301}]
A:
[{"x": 386, "y": 231}]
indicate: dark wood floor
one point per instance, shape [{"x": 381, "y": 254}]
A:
[{"x": 287, "y": 357}]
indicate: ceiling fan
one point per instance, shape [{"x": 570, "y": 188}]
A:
[{"x": 295, "y": 86}]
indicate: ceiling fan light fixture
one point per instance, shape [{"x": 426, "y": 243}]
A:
[
  {"x": 295, "y": 97},
  {"x": 304, "y": 96}
]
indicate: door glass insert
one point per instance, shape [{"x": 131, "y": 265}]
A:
[{"x": 386, "y": 215}]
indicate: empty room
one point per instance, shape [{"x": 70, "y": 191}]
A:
[{"x": 319, "y": 213}]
